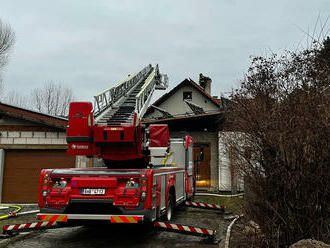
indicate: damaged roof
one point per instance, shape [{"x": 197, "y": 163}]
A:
[{"x": 186, "y": 82}]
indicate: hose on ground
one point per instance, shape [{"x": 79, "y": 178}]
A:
[
  {"x": 229, "y": 230},
  {"x": 11, "y": 214}
]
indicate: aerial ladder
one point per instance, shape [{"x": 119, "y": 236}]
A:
[{"x": 113, "y": 130}]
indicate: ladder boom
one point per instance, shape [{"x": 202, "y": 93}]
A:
[
  {"x": 112, "y": 130},
  {"x": 119, "y": 104}
]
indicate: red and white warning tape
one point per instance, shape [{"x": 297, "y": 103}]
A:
[
  {"x": 184, "y": 228},
  {"x": 28, "y": 225},
  {"x": 204, "y": 205}
]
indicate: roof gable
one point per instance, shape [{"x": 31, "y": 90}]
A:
[
  {"x": 186, "y": 82},
  {"x": 32, "y": 116}
]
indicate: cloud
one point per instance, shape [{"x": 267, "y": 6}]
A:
[{"x": 90, "y": 45}]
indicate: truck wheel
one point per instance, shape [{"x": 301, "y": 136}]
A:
[
  {"x": 170, "y": 207},
  {"x": 194, "y": 190}
]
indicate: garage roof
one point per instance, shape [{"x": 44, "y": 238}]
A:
[{"x": 33, "y": 116}]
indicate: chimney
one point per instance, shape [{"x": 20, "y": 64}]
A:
[{"x": 205, "y": 83}]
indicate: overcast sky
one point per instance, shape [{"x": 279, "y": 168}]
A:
[{"x": 90, "y": 45}]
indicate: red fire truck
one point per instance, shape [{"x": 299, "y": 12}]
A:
[{"x": 145, "y": 174}]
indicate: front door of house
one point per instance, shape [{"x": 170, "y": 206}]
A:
[{"x": 202, "y": 160}]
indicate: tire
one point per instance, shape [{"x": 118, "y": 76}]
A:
[
  {"x": 194, "y": 190},
  {"x": 170, "y": 207}
]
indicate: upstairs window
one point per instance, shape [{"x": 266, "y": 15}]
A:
[{"x": 187, "y": 95}]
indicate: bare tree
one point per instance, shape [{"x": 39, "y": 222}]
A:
[
  {"x": 7, "y": 40},
  {"x": 16, "y": 99},
  {"x": 282, "y": 141},
  {"x": 53, "y": 99}
]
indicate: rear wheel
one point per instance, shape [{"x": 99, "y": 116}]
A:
[{"x": 170, "y": 207}]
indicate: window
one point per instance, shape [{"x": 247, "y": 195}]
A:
[{"x": 187, "y": 95}]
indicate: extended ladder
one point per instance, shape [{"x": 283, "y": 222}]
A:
[{"x": 117, "y": 105}]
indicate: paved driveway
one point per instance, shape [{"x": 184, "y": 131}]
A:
[{"x": 127, "y": 235}]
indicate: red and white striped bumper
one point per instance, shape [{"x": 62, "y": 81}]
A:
[
  {"x": 205, "y": 205},
  {"x": 200, "y": 231},
  {"x": 111, "y": 218},
  {"x": 35, "y": 225}
]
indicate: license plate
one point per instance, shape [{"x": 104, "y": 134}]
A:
[{"x": 93, "y": 191}]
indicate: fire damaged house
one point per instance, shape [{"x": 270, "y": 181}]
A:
[{"x": 190, "y": 108}]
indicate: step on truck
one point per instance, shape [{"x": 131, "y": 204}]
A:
[{"x": 145, "y": 174}]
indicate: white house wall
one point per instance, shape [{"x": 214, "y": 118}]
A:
[
  {"x": 176, "y": 106},
  {"x": 224, "y": 166},
  {"x": 38, "y": 138},
  {"x": 32, "y": 138}
]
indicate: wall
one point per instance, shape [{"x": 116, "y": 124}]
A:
[
  {"x": 176, "y": 106},
  {"x": 32, "y": 138},
  {"x": 225, "y": 180}
]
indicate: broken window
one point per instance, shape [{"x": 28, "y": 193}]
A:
[{"x": 187, "y": 95}]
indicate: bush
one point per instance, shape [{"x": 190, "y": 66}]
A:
[{"x": 281, "y": 117}]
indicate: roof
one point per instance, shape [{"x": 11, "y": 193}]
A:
[
  {"x": 183, "y": 117},
  {"x": 186, "y": 82},
  {"x": 33, "y": 116},
  {"x": 197, "y": 122}
]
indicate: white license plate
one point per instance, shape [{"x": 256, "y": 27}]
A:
[{"x": 93, "y": 191}]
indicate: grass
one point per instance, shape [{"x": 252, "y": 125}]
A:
[{"x": 231, "y": 204}]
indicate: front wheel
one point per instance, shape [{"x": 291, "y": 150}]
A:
[{"x": 170, "y": 207}]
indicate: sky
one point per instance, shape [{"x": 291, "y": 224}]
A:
[{"x": 90, "y": 45}]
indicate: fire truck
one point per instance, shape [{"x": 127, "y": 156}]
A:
[{"x": 145, "y": 175}]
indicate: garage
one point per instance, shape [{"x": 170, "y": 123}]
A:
[{"x": 22, "y": 170}]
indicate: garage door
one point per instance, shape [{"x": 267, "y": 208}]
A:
[{"x": 22, "y": 170}]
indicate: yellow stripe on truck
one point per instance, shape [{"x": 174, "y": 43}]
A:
[
  {"x": 61, "y": 218},
  {"x": 47, "y": 217},
  {"x": 131, "y": 219},
  {"x": 116, "y": 219}
]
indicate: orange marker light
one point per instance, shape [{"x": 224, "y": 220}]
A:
[{"x": 45, "y": 181}]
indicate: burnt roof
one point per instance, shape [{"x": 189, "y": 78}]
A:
[
  {"x": 197, "y": 122},
  {"x": 186, "y": 82}
]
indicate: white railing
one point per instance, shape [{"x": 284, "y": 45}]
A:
[
  {"x": 154, "y": 81},
  {"x": 108, "y": 97}
]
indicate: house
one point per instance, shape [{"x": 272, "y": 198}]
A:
[
  {"x": 29, "y": 142},
  {"x": 190, "y": 109}
]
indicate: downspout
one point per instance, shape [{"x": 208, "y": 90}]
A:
[{"x": 2, "y": 168}]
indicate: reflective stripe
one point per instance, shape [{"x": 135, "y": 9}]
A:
[
  {"x": 125, "y": 219},
  {"x": 112, "y": 218},
  {"x": 204, "y": 205},
  {"x": 27, "y": 226},
  {"x": 53, "y": 218},
  {"x": 116, "y": 219},
  {"x": 185, "y": 228}
]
